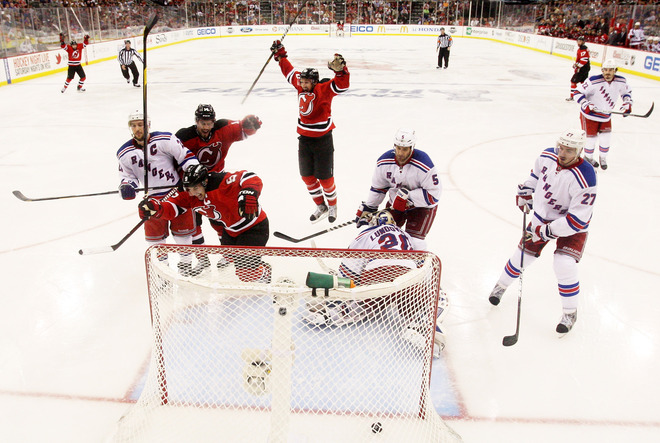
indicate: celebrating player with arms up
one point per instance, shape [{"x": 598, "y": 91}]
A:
[
  {"x": 561, "y": 190},
  {"x": 410, "y": 178},
  {"x": 230, "y": 201},
  {"x": 315, "y": 125},
  {"x": 74, "y": 52}
]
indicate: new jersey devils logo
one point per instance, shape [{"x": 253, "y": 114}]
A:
[
  {"x": 208, "y": 210},
  {"x": 306, "y": 102}
]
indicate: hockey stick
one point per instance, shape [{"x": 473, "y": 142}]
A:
[
  {"x": 511, "y": 340},
  {"x": 83, "y": 30},
  {"x": 111, "y": 248},
  {"x": 327, "y": 269},
  {"x": 325, "y": 231},
  {"x": 271, "y": 54},
  {"x": 151, "y": 22},
  {"x": 19, "y": 195},
  {"x": 636, "y": 115}
]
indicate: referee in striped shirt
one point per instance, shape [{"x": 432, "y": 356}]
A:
[
  {"x": 125, "y": 59},
  {"x": 444, "y": 44}
]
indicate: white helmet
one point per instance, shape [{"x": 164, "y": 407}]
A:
[
  {"x": 137, "y": 115},
  {"x": 609, "y": 64},
  {"x": 405, "y": 137},
  {"x": 573, "y": 138}
]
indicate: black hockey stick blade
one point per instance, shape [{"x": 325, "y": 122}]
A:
[
  {"x": 151, "y": 22},
  {"x": 111, "y": 248},
  {"x": 637, "y": 115},
  {"x": 325, "y": 231},
  {"x": 19, "y": 195},
  {"x": 510, "y": 340}
]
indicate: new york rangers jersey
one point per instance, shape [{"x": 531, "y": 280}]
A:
[
  {"x": 603, "y": 95},
  {"x": 418, "y": 175},
  {"x": 563, "y": 197},
  {"x": 384, "y": 237},
  {"x": 166, "y": 155},
  {"x": 315, "y": 113}
]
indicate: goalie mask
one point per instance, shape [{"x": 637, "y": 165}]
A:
[{"x": 381, "y": 218}]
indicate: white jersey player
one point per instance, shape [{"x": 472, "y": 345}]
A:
[
  {"x": 382, "y": 234},
  {"x": 408, "y": 177},
  {"x": 166, "y": 155},
  {"x": 561, "y": 190},
  {"x": 597, "y": 97}
]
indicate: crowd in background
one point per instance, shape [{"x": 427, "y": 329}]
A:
[{"x": 602, "y": 21}]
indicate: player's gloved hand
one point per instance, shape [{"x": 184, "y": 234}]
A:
[
  {"x": 364, "y": 214},
  {"x": 86, "y": 38},
  {"x": 524, "y": 198},
  {"x": 127, "y": 191},
  {"x": 278, "y": 50},
  {"x": 248, "y": 206},
  {"x": 337, "y": 64},
  {"x": 250, "y": 124},
  {"x": 61, "y": 37},
  {"x": 149, "y": 207},
  {"x": 542, "y": 233},
  {"x": 626, "y": 109},
  {"x": 401, "y": 200},
  {"x": 587, "y": 107}
]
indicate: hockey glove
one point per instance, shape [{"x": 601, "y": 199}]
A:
[
  {"x": 248, "y": 206},
  {"x": 587, "y": 107},
  {"x": 542, "y": 233},
  {"x": 364, "y": 214},
  {"x": 626, "y": 109},
  {"x": 86, "y": 39},
  {"x": 400, "y": 202},
  {"x": 278, "y": 50},
  {"x": 148, "y": 208},
  {"x": 337, "y": 64},
  {"x": 250, "y": 124},
  {"x": 524, "y": 198},
  {"x": 61, "y": 38},
  {"x": 127, "y": 191}
]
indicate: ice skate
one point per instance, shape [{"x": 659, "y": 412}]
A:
[
  {"x": 202, "y": 264},
  {"x": 137, "y": 85},
  {"x": 591, "y": 161},
  {"x": 567, "y": 321},
  {"x": 439, "y": 341},
  {"x": 569, "y": 99},
  {"x": 185, "y": 269},
  {"x": 223, "y": 262},
  {"x": 496, "y": 294},
  {"x": 332, "y": 213},
  {"x": 603, "y": 163},
  {"x": 320, "y": 213},
  {"x": 128, "y": 80},
  {"x": 63, "y": 89},
  {"x": 80, "y": 89}
]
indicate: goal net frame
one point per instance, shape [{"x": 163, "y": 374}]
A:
[{"x": 273, "y": 389}]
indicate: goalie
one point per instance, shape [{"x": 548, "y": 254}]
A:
[{"x": 382, "y": 234}]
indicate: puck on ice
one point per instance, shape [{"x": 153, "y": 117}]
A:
[{"x": 376, "y": 427}]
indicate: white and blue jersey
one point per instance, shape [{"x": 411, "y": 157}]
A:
[
  {"x": 603, "y": 95},
  {"x": 166, "y": 155},
  {"x": 563, "y": 197}
]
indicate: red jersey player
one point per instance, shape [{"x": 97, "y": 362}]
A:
[
  {"x": 315, "y": 125},
  {"x": 210, "y": 139},
  {"x": 230, "y": 201},
  {"x": 74, "y": 51},
  {"x": 581, "y": 66}
]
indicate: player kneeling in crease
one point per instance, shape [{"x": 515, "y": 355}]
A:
[
  {"x": 166, "y": 155},
  {"x": 382, "y": 234},
  {"x": 408, "y": 176},
  {"x": 561, "y": 191},
  {"x": 230, "y": 201}
]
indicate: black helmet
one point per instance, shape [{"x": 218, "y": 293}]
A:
[
  {"x": 73, "y": 43},
  {"x": 195, "y": 175},
  {"x": 311, "y": 74},
  {"x": 581, "y": 37},
  {"x": 205, "y": 111}
]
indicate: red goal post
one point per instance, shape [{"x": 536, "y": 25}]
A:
[{"x": 248, "y": 351}]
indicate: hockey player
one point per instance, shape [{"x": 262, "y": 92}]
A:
[
  {"x": 166, "y": 155},
  {"x": 74, "y": 52},
  {"x": 597, "y": 97},
  {"x": 381, "y": 234},
  {"x": 561, "y": 191},
  {"x": 410, "y": 179},
  {"x": 230, "y": 201},
  {"x": 210, "y": 139},
  {"x": 315, "y": 125},
  {"x": 581, "y": 67}
]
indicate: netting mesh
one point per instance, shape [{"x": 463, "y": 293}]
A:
[{"x": 244, "y": 350}]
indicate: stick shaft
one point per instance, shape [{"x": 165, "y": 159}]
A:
[
  {"x": 19, "y": 195},
  {"x": 103, "y": 249},
  {"x": 325, "y": 231},
  {"x": 637, "y": 115},
  {"x": 513, "y": 339}
]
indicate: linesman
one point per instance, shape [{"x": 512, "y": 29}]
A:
[
  {"x": 444, "y": 45},
  {"x": 125, "y": 59}
]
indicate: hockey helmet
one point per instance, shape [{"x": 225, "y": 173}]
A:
[
  {"x": 572, "y": 138},
  {"x": 383, "y": 217},
  {"x": 137, "y": 115},
  {"x": 405, "y": 137},
  {"x": 580, "y": 38},
  {"x": 609, "y": 64},
  {"x": 205, "y": 111},
  {"x": 73, "y": 43},
  {"x": 195, "y": 175},
  {"x": 311, "y": 74}
]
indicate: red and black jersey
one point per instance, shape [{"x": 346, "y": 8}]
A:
[
  {"x": 221, "y": 202},
  {"x": 315, "y": 112},
  {"x": 75, "y": 55},
  {"x": 212, "y": 152},
  {"x": 582, "y": 57}
]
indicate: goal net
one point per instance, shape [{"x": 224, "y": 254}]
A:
[
  {"x": 276, "y": 345},
  {"x": 337, "y": 30}
]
